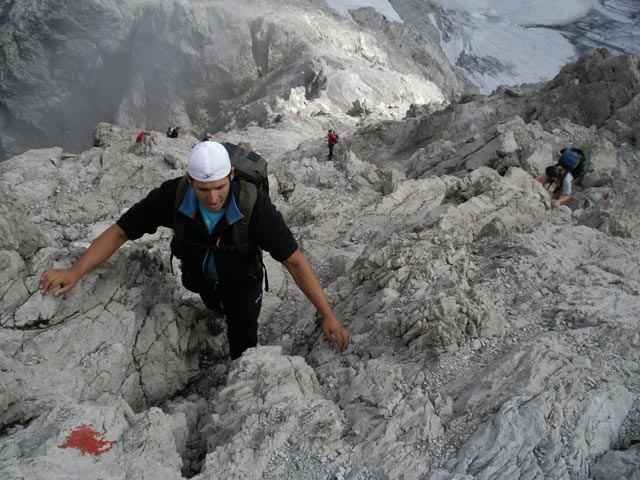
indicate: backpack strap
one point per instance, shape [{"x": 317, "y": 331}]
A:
[
  {"x": 178, "y": 223},
  {"x": 183, "y": 186},
  {"x": 246, "y": 201},
  {"x": 240, "y": 234}
]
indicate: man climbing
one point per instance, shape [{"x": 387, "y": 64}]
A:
[
  {"x": 173, "y": 132},
  {"x": 332, "y": 139},
  {"x": 562, "y": 174},
  {"x": 227, "y": 280},
  {"x": 144, "y": 143}
]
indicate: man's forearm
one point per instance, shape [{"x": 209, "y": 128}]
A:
[
  {"x": 305, "y": 278},
  {"x": 307, "y": 281},
  {"x": 100, "y": 250}
]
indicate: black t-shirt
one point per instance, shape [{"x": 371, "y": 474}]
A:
[{"x": 267, "y": 230}]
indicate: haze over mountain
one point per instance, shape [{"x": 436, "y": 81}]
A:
[
  {"x": 492, "y": 336},
  {"x": 211, "y": 65}
]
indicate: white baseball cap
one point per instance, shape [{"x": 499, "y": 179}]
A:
[{"x": 208, "y": 162}]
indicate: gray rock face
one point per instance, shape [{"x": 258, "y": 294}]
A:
[
  {"x": 62, "y": 69},
  {"x": 619, "y": 464},
  {"x": 201, "y": 65},
  {"x": 285, "y": 412},
  {"x": 112, "y": 440},
  {"x": 492, "y": 337},
  {"x": 582, "y": 85}
]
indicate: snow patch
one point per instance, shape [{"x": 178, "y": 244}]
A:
[{"x": 524, "y": 12}]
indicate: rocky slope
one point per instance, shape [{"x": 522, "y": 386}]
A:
[
  {"x": 203, "y": 65},
  {"x": 493, "y": 337}
]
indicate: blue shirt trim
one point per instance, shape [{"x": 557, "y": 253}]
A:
[
  {"x": 189, "y": 207},
  {"x": 233, "y": 212}
]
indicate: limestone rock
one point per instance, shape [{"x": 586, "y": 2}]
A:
[{"x": 492, "y": 336}]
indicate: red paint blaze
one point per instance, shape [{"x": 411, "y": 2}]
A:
[{"x": 87, "y": 440}]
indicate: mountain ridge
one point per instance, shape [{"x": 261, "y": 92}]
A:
[{"x": 492, "y": 336}]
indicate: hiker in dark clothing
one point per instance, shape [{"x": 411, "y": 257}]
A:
[
  {"x": 228, "y": 281},
  {"x": 173, "y": 132},
  {"x": 332, "y": 139}
]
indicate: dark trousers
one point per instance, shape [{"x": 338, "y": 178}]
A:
[
  {"x": 331, "y": 150},
  {"x": 240, "y": 303}
]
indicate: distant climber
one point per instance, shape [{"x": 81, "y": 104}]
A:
[
  {"x": 144, "y": 143},
  {"x": 332, "y": 139},
  {"x": 207, "y": 136},
  {"x": 173, "y": 132},
  {"x": 570, "y": 166}
]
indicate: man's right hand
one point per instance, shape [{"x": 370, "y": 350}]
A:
[{"x": 58, "y": 281}]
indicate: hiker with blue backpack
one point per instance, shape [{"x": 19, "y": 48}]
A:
[
  {"x": 561, "y": 175},
  {"x": 222, "y": 222}
]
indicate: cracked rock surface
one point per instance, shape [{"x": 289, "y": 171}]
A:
[{"x": 492, "y": 337}]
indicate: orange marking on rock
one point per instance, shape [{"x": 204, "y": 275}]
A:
[{"x": 87, "y": 440}]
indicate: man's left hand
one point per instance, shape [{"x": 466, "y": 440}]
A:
[{"x": 335, "y": 333}]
